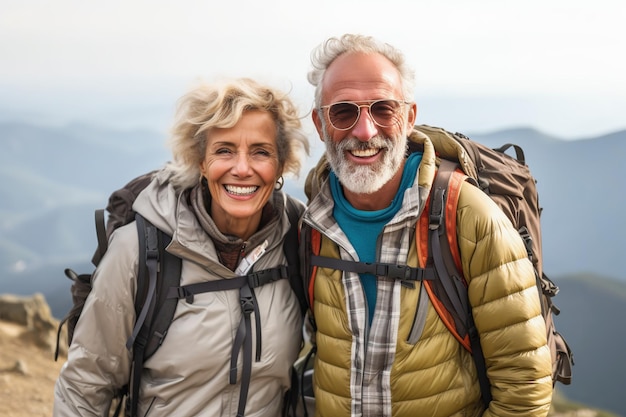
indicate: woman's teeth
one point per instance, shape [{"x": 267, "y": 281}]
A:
[{"x": 233, "y": 189}]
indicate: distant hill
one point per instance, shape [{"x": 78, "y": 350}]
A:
[
  {"x": 592, "y": 308},
  {"x": 51, "y": 180},
  {"x": 87, "y": 156}
]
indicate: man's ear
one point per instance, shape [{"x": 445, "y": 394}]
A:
[
  {"x": 315, "y": 115},
  {"x": 411, "y": 116}
]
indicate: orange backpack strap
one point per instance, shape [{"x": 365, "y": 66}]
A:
[
  {"x": 441, "y": 206},
  {"x": 454, "y": 189},
  {"x": 448, "y": 293},
  {"x": 312, "y": 248}
]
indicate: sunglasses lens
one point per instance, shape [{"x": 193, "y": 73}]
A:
[
  {"x": 343, "y": 115},
  {"x": 385, "y": 112}
]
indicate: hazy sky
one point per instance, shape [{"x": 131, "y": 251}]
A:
[{"x": 557, "y": 65}]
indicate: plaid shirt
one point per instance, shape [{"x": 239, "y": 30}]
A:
[{"x": 373, "y": 348}]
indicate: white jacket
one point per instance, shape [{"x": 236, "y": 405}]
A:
[{"x": 188, "y": 375}]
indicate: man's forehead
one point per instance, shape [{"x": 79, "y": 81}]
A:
[{"x": 358, "y": 73}]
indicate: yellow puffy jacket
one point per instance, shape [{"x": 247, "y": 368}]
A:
[{"x": 408, "y": 363}]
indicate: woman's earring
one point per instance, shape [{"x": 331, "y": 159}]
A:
[{"x": 279, "y": 183}]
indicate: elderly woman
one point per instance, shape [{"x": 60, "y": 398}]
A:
[{"x": 220, "y": 200}]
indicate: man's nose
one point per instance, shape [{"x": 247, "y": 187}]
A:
[{"x": 364, "y": 129}]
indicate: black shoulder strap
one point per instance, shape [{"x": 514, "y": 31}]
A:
[
  {"x": 454, "y": 290},
  {"x": 101, "y": 234},
  {"x": 404, "y": 273},
  {"x": 154, "y": 311},
  {"x": 290, "y": 247},
  {"x": 145, "y": 299},
  {"x": 168, "y": 277},
  {"x": 305, "y": 252}
]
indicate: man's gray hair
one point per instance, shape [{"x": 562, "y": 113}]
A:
[{"x": 329, "y": 50}]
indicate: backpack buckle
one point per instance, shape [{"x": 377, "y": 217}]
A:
[
  {"x": 254, "y": 279},
  {"x": 247, "y": 305},
  {"x": 438, "y": 205},
  {"x": 397, "y": 271},
  {"x": 185, "y": 293},
  {"x": 246, "y": 300}
]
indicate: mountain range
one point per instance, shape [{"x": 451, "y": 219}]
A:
[{"x": 53, "y": 178}]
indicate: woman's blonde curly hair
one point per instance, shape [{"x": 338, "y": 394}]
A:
[{"x": 221, "y": 105}]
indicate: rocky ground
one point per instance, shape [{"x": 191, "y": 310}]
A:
[{"x": 27, "y": 374}]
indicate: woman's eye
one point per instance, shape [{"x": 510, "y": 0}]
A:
[
  {"x": 223, "y": 151},
  {"x": 261, "y": 154}
]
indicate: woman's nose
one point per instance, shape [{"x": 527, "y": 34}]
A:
[{"x": 242, "y": 164}]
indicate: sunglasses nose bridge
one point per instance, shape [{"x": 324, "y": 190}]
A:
[
  {"x": 368, "y": 112},
  {"x": 364, "y": 126}
]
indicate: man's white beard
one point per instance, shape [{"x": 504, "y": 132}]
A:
[{"x": 366, "y": 179}]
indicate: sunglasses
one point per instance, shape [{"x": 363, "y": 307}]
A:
[{"x": 343, "y": 115}]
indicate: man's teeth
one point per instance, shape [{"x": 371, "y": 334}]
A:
[
  {"x": 364, "y": 153},
  {"x": 233, "y": 189}
]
